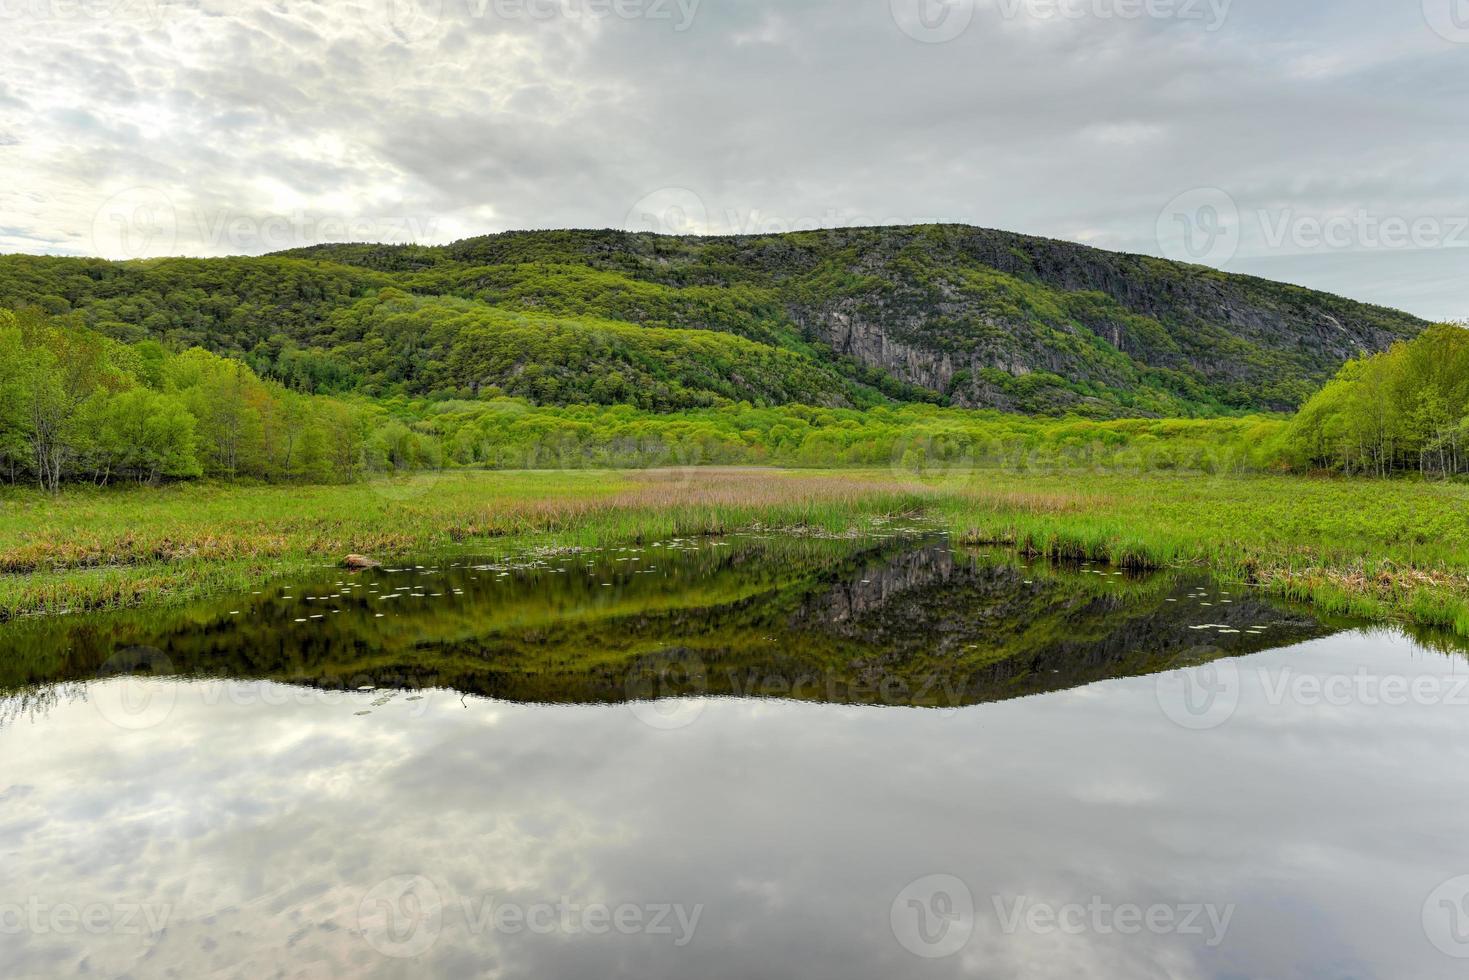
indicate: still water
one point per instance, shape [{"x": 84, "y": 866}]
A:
[{"x": 752, "y": 757}]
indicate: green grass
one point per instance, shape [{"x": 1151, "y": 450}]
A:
[
  {"x": 1385, "y": 550},
  {"x": 91, "y": 549},
  {"x": 1390, "y": 551}
]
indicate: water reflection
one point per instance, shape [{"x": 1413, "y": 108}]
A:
[
  {"x": 897, "y": 621},
  {"x": 243, "y": 809}
]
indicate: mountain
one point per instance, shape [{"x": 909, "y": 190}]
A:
[{"x": 849, "y": 317}]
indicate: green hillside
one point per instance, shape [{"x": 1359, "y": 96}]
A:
[{"x": 846, "y": 318}]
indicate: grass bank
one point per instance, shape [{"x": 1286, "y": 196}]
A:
[
  {"x": 1383, "y": 550},
  {"x": 98, "y": 549}
]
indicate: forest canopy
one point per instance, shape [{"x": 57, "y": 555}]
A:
[
  {"x": 857, "y": 317},
  {"x": 1406, "y": 410},
  {"x": 80, "y": 406},
  {"x": 75, "y": 406}
]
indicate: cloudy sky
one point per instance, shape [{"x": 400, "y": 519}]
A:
[
  {"x": 219, "y": 807},
  {"x": 1321, "y": 142}
]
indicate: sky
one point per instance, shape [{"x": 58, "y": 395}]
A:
[{"x": 1323, "y": 143}]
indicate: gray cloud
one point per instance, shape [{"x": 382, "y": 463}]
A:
[{"x": 439, "y": 119}]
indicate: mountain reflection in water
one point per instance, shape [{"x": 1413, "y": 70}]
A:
[
  {"x": 904, "y": 619},
  {"x": 307, "y": 788}
]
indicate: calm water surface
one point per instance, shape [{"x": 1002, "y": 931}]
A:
[{"x": 755, "y": 757}]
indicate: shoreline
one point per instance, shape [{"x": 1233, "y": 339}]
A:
[{"x": 1387, "y": 551}]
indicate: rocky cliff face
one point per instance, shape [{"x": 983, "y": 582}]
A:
[
  {"x": 977, "y": 317},
  {"x": 860, "y": 593},
  {"x": 969, "y": 312},
  {"x": 870, "y": 333}
]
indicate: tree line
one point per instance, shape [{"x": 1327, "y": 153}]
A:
[
  {"x": 76, "y": 406},
  {"x": 1402, "y": 411},
  {"x": 80, "y": 407}
]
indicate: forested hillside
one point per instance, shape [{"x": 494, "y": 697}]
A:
[
  {"x": 76, "y": 406},
  {"x": 851, "y": 318}
]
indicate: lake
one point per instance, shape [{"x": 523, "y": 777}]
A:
[{"x": 758, "y": 756}]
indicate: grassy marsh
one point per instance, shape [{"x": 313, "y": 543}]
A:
[{"x": 1384, "y": 550}]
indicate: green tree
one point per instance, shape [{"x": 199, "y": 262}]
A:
[{"x": 138, "y": 434}]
